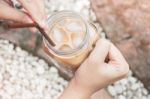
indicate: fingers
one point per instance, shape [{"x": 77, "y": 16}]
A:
[
  {"x": 115, "y": 56},
  {"x": 41, "y": 7},
  {"x": 8, "y": 13},
  {"x": 117, "y": 67},
  {"x": 9, "y": 2},
  {"x": 35, "y": 10},
  {"x": 117, "y": 62},
  {"x": 98, "y": 55}
]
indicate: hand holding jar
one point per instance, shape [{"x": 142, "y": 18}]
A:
[
  {"x": 78, "y": 46},
  {"x": 104, "y": 66},
  {"x": 73, "y": 36}
]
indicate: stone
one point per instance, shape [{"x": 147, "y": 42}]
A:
[
  {"x": 21, "y": 75},
  {"x": 28, "y": 76},
  {"x": 10, "y": 90},
  {"x": 144, "y": 91},
  {"x": 139, "y": 95},
  {"x": 121, "y": 97},
  {"x": 118, "y": 89},
  {"x": 135, "y": 86},
  {"x": 40, "y": 70},
  {"x": 111, "y": 90},
  {"x": 124, "y": 81},
  {"x": 126, "y": 23},
  {"x": 1, "y": 78},
  {"x": 144, "y": 97},
  {"x": 53, "y": 70},
  {"x": 148, "y": 96},
  {"x": 135, "y": 97},
  {"x": 25, "y": 82},
  {"x": 132, "y": 80},
  {"x": 129, "y": 94},
  {"x": 124, "y": 93}
]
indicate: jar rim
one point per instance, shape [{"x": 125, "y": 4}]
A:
[{"x": 65, "y": 14}]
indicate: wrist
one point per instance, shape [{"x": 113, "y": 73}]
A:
[{"x": 75, "y": 91}]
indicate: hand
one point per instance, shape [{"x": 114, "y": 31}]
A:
[
  {"x": 33, "y": 11},
  {"x": 104, "y": 66}
]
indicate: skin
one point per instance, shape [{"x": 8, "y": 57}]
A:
[
  {"x": 104, "y": 65},
  {"x": 95, "y": 73},
  {"x": 33, "y": 11}
]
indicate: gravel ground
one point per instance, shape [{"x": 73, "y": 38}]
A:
[
  {"x": 24, "y": 76},
  {"x": 128, "y": 88}
]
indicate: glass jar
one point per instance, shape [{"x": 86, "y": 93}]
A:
[{"x": 73, "y": 36}]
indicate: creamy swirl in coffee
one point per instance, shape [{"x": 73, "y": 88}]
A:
[
  {"x": 67, "y": 34},
  {"x": 74, "y": 38}
]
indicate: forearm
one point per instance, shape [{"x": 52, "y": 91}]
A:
[{"x": 73, "y": 91}]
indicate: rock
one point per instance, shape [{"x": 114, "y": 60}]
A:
[
  {"x": 129, "y": 87},
  {"x": 129, "y": 94},
  {"x": 148, "y": 96},
  {"x": 135, "y": 97},
  {"x": 144, "y": 91},
  {"x": 124, "y": 81},
  {"x": 121, "y": 97},
  {"x": 10, "y": 90},
  {"x": 40, "y": 70},
  {"x": 126, "y": 23},
  {"x": 111, "y": 90},
  {"x": 27, "y": 77},
  {"x": 132, "y": 80},
  {"x": 1, "y": 78},
  {"x": 144, "y": 97},
  {"x": 53, "y": 70},
  {"x": 118, "y": 89},
  {"x": 135, "y": 86}
]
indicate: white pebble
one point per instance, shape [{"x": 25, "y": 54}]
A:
[
  {"x": 24, "y": 76},
  {"x": 132, "y": 80},
  {"x": 121, "y": 97},
  {"x": 135, "y": 86},
  {"x": 144, "y": 97},
  {"x": 118, "y": 89},
  {"x": 124, "y": 81},
  {"x": 1, "y": 78},
  {"x": 145, "y": 92},
  {"x": 53, "y": 70},
  {"x": 111, "y": 90},
  {"x": 40, "y": 70}
]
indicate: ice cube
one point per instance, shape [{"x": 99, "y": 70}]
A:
[
  {"x": 77, "y": 41},
  {"x": 74, "y": 27},
  {"x": 57, "y": 35}
]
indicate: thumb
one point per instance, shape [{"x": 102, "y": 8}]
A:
[
  {"x": 100, "y": 52},
  {"x": 117, "y": 64}
]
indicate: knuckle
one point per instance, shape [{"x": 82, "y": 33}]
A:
[
  {"x": 103, "y": 42},
  {"x": 125, "y": 70}
]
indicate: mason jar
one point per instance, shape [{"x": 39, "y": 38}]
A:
[{"x": 74, "y": 38}]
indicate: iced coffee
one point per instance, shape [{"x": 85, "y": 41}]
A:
[{"x": 74, "y": 38}]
